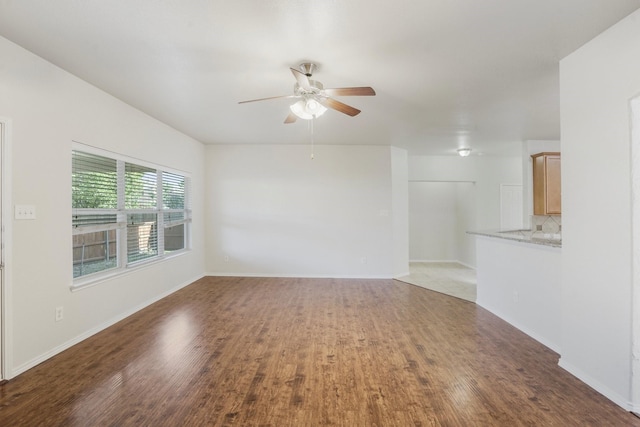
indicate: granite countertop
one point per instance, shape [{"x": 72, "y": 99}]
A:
[{"x": 526, "y": 236}]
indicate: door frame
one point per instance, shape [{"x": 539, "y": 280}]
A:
[
  {"x": 6, "y": 335},
  {"x": 634, "y": 109}
]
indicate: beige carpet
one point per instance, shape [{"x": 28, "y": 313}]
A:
[{"x": 449, "y": 278}]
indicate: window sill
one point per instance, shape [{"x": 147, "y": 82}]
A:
[{"x": 98, "y": 278}]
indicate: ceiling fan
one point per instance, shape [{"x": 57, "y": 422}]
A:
[{"x": 313, "y": 98}]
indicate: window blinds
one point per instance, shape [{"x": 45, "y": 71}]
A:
[
  {"x": 125, "y": 212},
  {"x": 94, "y": 182}
]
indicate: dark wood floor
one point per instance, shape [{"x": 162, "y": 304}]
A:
[{"x": 306, "y": 352}]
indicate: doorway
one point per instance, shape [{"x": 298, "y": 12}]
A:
[{"x": 440, "y": 214}]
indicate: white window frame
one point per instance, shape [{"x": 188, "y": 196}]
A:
[{"x": 123, "y": 265}]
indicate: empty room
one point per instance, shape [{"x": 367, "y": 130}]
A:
[{"x": 305, "y": 213}]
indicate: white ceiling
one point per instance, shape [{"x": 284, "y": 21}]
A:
[{"x": 447, "y": 73}]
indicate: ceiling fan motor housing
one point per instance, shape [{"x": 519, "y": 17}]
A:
[{"x": 308, "y": 68}]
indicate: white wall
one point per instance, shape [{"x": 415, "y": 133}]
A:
[
  {"x": 466, "y": 220},
  {"x": 433, "y": 221},
  {"x": 439, "y": 216},
  {"x": 273, "y": 211},
  {"x": 400, "y": 211},
  {"x": 443, "y": 168},
  {"x": 520, "y": 282},
  {"x": 596, "y": 84},
  {"x": 493, "y": 171},
  {"x": 48, "y": 108},
  {"x": 454, "y": 195}
]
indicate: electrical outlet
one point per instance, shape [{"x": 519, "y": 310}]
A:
[
  {"x": 59, "y": 314},
  {"x": 516, "y": 296}
]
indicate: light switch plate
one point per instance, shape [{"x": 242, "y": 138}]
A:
[{"x": 25, "y": 212}]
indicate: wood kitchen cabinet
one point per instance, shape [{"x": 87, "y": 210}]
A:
[{"x": 546, "y": 184}]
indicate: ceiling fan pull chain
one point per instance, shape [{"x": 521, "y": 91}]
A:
[{"x": 312, "y": 138}]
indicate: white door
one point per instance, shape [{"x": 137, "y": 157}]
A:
[{"x": 510, "y": 206}]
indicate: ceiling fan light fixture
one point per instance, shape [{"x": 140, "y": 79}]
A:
[
  {"x": 314, "y": 107},
  {"x": 464, "y": 152},
  {"x": 299, "y": 110},
  {"x": 308, "y": 108}
]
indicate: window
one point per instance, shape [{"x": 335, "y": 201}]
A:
[{"x": 125, "y": 213}]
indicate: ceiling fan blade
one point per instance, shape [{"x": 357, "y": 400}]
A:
[
  {"x": 291, "y": 118},
  {"x": 350, "y": 91},
  {"x": 303, "y": 80},
  {"x": 339, "y": 106},
  {"x": 271, "y": 97}
]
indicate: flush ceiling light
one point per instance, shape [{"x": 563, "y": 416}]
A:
[
  {"x": 308, "y": 108},
  {"x": 464, "y": 152}
]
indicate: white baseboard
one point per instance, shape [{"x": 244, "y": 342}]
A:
[
  {"x": 62, "y": 347},
  {"x": 542, "y": 340},
  {"x": 473, "y": 267},
  {"x": 597, "y": 385},
  {"x": 428, "y": 261},
  {"x": 301, "y": 276}
]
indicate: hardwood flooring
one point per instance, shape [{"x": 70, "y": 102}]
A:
[{"x": 306, "y": 352}]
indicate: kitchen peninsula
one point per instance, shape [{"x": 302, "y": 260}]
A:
[{"x": 518, "y": 280}]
